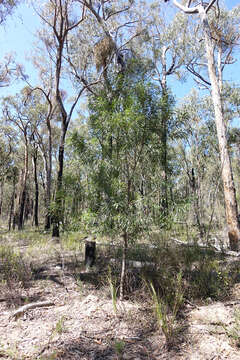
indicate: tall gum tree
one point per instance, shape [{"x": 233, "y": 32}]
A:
[
  {"x": 15, "y": 112},
  {"x": 42, "y": 109},
  {"x": 63, "y": 20},
  {"x": 202, "y": 10},
  {"x": 57, "y": 16},
  {"x": 165, "y": 46}
]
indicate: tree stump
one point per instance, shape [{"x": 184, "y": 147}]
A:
[{"x": 90, "y": 253}]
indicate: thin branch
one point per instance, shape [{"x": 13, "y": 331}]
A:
[
  {"x": 210, "y": 5},
  {"x": 83, "y": 17},
  {"x": 187, "y": 9},
  {"x": 118, "y": 12},
  {"x": 192, "y": 71},
  {"x": 127, "y": 24}
]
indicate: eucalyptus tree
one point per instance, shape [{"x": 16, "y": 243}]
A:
[
  {"x": 221, "y": 38},
  {"x": 41, "y": 111},
  {"x": 15, "y": 113},
  {"x": 63, "y": 22},
  {"x": 200, "y": 161},
  {"x": 8, "y": 169},
  {"x": 6, "y": 150},
  {"x": 43, "y": 106},
  {"x": 58, "y": 22},
  {"x": 164, "y": 44}
]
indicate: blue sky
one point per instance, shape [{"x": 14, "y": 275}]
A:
[{"x": 17, "y": 36}]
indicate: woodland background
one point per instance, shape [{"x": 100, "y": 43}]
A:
[{"x": 99, "y": 143}]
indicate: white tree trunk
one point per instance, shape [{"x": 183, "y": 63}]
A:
[
  {"x": 227, "y": 176},
  {"x": 216, "y": 84}
]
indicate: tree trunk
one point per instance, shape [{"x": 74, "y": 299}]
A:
[
  {"x": 47, "y": 191},
  {"x": 227, "y": 176},
  {"x": 123, "y": 271},
  {"x": 17, "y": 199},
  {"x": 164, "y": 133},
  {"x": 58, "y": 198},
  {"x": 90, "y": 253},
  {"x": 164, "y": 164},
  {"x": 22, "y": 197},
  {"x": 35, "y": 212},
  {"x": 11, "y": 211},
  {"x": 194, "y": 184},
  {"x": 48, "y": 170},
  {"x": 1, "y": 196}
]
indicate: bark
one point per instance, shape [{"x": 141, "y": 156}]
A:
[
  {"x": 195, "y": 187},
  {"x": 11, "y": 212},
  {"x": 164, "y": 202},
  {"x": 17, "y": 198},
  {"x": 164, "y": 163},
  {"x": 23, "y": 191},
  {"x": 61, "y": 14},
  {"x": 231, "y": 209},
  {"x": 48, "y": 178},
  {"x": 16, "y": 314},
  {"x": 35, "y": 212},
  {"x": 123, "y": 271},
  {"x": 28, "y": 208},
  {"x": 47, "y": 185},
  {"x": 227, "y": 175},
  {"x": 58, "y": 198},
  {"x": 1, "y": 196},
  {"x": 90, "y": 253}
]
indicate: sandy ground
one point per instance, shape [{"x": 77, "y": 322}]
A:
[{"x": 81, "y": 322}]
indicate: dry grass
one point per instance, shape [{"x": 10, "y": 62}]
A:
[{"x": 84, "y": 324}]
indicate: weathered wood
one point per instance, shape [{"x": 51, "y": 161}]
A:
[
  {"x": 90, "y": 253},
  {"x": 27, "y": 307}
]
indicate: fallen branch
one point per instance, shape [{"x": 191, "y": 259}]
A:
[
  {"x": 207, "y": 246},
  {"x": 27, "y": 307}
]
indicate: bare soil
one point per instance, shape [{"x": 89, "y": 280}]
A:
[{"x": 82, "y": 324}]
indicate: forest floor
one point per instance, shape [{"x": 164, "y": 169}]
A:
[{"x": 81, "y": 322}]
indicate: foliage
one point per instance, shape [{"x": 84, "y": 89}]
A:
[
  {"x": 123, "y": 140},
  {"x": 233, "y": 331},
  {"x": 113, "y": 289},
  {"x": 13, "y": 268},
  {"x": 119, "y": 346},
  {"x": 167, "y": 319}
]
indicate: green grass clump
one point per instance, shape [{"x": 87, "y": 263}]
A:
[
  {"x": 73, "y": 241},
  {"x": 233, "y": 331},
  {"x": 13, "y": 268},
  {"x": 166, "y": 312}
]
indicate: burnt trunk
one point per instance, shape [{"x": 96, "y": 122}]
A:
[
  {"x": 90, "y": 253},
  {"x": 35, "y": 211},
  {"x": 56, "y": 219},
  {"x": 22, "y": 197},
  {"x": 11, "y": 210},
  {"x": 48, "y": 170},
  {"x": 21, "y": 209}
]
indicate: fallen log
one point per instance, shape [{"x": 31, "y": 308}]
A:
[{"x": 27, "y": 307}]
